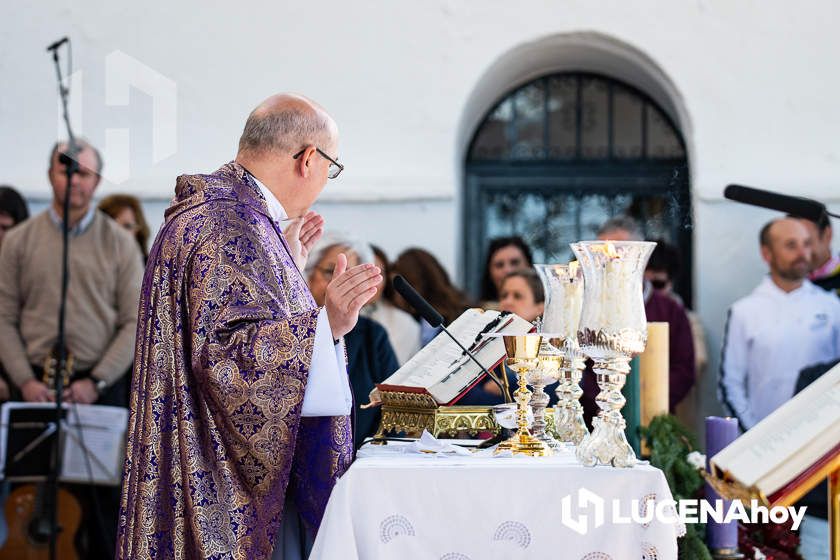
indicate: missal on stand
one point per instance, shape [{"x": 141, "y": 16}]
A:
[
  {"x": 443, "y": 370},
  {"x": 790, "y": 451}
]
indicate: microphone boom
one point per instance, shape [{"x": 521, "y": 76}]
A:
[
  {"x": 416, "y": 301},
  {"x": 793, "y": 205}
]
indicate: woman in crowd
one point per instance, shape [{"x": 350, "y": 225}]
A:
[
  {"x": 370, "y": 357},
  {"x": 13, "y": 209},
  {"x": 504, "y": 255},
  {"x": 403, "y": 330},
  {"x": 127, "y": 211},
  {"x": 522, "y": 293},
  {"x": 429, "y": 278}
]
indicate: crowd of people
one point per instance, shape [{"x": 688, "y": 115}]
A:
[{"x": 790, "y": 323}]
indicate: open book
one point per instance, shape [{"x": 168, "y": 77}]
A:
[
  {"x": 441, "y": 368},
  {"x": 791, "y": 450}
]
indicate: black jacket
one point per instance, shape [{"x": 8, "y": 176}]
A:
[
  {"x": 371, "y": 360},
  {"x": 817, "y": 498}
]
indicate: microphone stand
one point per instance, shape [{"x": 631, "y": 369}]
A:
[
  {"x": 505, "y": 394},
  {"x": 69, "y": 159},
  {"x": 503, "y": 387}
]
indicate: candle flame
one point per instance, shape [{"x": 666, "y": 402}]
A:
[
  {"x": 607, "y": 249},
  {"x": 573, "y": 269}
]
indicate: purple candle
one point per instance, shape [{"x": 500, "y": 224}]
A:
[{"x": 720, "y": 432}]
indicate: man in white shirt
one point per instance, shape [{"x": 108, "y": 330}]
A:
[{"x": 784, "y": 325}]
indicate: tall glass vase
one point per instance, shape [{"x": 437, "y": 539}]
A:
[
  {"x": 563, "y": 284},
  {"x": 613, "y": 329}
]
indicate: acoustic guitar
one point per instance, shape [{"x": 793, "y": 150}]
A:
[{"x": 28, "y": 517}]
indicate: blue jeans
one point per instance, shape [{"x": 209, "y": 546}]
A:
[{"x": 813, "y": 534}]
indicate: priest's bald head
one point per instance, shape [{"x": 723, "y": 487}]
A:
[{"x": 290, "y": 143}]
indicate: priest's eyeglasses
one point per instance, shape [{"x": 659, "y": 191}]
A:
[{"x": 335, "y": 167}]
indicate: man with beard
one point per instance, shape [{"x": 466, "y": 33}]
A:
[{"x": 784, "y": 325}]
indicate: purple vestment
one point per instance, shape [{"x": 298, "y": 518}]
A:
[{"x": 225, "y": 337}]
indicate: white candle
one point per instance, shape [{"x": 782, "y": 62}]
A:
[{"x": 653, "y": 373}]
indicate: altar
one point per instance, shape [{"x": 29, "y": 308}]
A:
[
  {"x": 545, "y": 492},
  {"x": 393, "y": 504}
]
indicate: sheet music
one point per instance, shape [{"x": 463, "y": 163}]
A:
[
  {"x": 103, "y": 439},
  {"x": 5, "y": 410}
]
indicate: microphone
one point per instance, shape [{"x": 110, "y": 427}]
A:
[
  {"x": 69, "y": 156},
  {"x": 417, "y": 301},
  {"x": 57, "y": 44},
  {"x": 793, "y": 205},
  {"x": 435, "y": 319}
]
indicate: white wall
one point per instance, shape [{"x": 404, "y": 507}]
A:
[{"x": 753, "y": 83}]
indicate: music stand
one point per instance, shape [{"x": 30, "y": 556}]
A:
[
  {"x": 27, "y": 436},
  {"x": 92, "y": 442}
]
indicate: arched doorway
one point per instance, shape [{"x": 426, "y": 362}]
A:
[{"x": 559, "y": 155}]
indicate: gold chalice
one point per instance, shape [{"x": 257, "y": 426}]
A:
[{"x": 522, "y": 353}]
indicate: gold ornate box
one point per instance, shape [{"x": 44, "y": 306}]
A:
[{"x": 408, "y": 414}]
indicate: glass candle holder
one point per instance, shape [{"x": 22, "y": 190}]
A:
[
  {"x": 564, "y": 287},
  {"x": 613, "y": 329}
]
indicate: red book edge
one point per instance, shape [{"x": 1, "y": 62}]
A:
[{"x": 804, "y": 477}]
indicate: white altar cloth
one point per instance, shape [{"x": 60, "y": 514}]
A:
[{"x": 393, "y": 505}]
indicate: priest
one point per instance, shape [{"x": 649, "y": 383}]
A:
[{"x": 240, "y": 397}]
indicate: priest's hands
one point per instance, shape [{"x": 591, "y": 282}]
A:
[
  {"x": 374, "y": 398},
  {"x": 348, "y": 291},
  {"x": 301, "y": 234}
]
